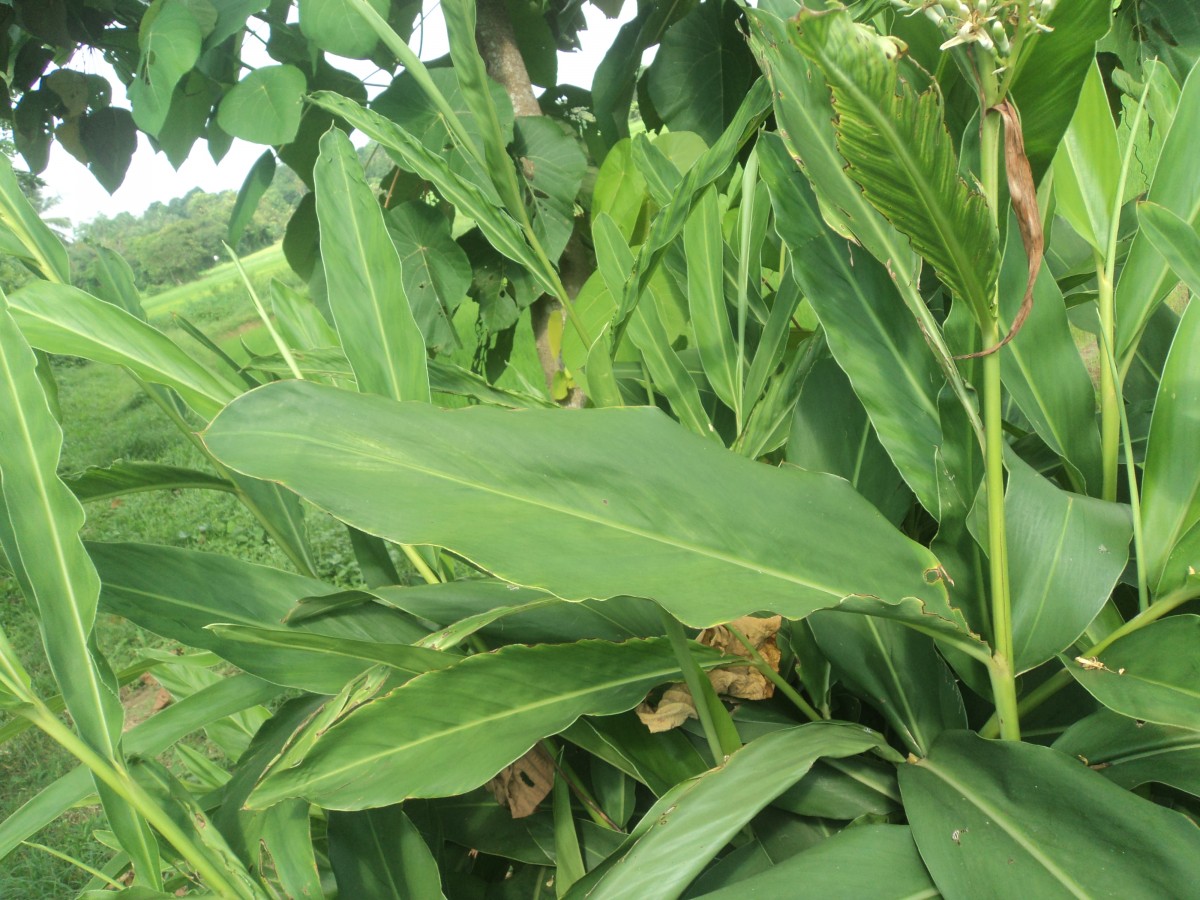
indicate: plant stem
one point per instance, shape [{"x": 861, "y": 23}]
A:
[
  {"x": 1062, "y": 678},
  {"x": 121, "y": 783},
  {"x": 775, "y": 678},
  {"x": 280, "y": 344},
  {"x": 1004, "y": 688},
  {"x": 697, "y": 681},
  {"x": 1110, "y": 420}
]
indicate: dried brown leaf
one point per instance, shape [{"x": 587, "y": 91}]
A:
[
  {"x": 521, "y": 786},
  {"x": 745, "y": 682},
  {"x": 674, "y": 708}
]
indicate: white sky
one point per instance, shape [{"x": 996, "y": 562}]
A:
[{"x": 150, "y": 176}]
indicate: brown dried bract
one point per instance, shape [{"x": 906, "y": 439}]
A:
[{"x": 521, "y": 786}]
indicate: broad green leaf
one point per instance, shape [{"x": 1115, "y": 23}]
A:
[
  {"x": 178, "y": 593},
  {"x": 28, "y": 237},
  {"x": 379, "y": 853},
  {"x": 1087, "y": 167},
  {"x": 874, "y": 340},
  {"x": 58, "y": 318},
  {"x": 496, "y": 224},
  {"x": 1146, "y": 278},
  {"x": 1131, "y": 753},
  {"x": 844, "y": 789},
  {"x": 187, "y": 118},
  {"x": 436, "y": 270},
  {"x": 685, "y": 829},
  {"x": 1066, "y": 553},
  {"x": 1171, "y": 483},
  {"x": 366, "y": 283},
  {"x": 1152, "y": 674},
  {"x": 341, "y": 659},
  {"x": 705, "y": 247},
  {"x": 902, "y": 155},
  {"x": 299, "y": 320},
  {"x": 987, "y": 815},
  {"x": 486, "y": 711},
  {"x": 1043, "y": 371},
  {"x": 124, "y": 477},
  {"x": 40, "y": 521},
  {"x": 877, "y": 861},
  {"x": 832, "y": 433},
  {"x": 740, "y": 542},
  {"x": 620, "y": 190},
  {"x": 1168, "y": 30},
  {"x": 224, "y": 698},
  {"x": 287, "y": 837},
  {"x": 336, "y": 27},
  {"x": 477, "y": 822},
  {"x": 169, "y": 41},
  {"x": 259, "y": 178},
  {"x": 1047, "y": 86},
  {"x": 568, "y": 859},
  {"x": 525, "y": 621},
  {"x": 701, "y": 71},
  {"x": 552, "y": 169},
  {"x": 897, "y": 671},
  {"x": 116, "y": 282},
  {"x": 265, "y": 106}
]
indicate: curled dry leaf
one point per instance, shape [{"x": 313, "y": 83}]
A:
[
  {"x": 676, "y": 705},
  {"x": 520, "y": 787}
]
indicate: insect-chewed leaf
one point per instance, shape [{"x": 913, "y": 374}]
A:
[{"x": 901, "y": 153}]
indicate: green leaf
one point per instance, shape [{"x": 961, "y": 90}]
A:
[
  {"x": 705, "y": 248},
  {"x": 265, "y": 106},
  {"x": 187, "y": 119},
  {"x": 1131, "y": 753},
  {"x": 261, "y": 174},
  {"x": 874, "y": 340},
  {"x": 487, "y": 711},
  {"x": 117, "y": 283},
  {"x": 1046, "y": 89},
  {"x": 1044, "y": 373},
  {"x": 1146, "y": 278},
  {"x": 1087, "y": 167},
  {"x": 902, "y": 155},
  {"x": 299, "y": 320},
  {"x": 987, "y": 815},
  {"x": 702, "y": 70},
  {"x": 878, "y": 861},
  {"x": 437, "y": 272},
  {"x": 568, "y": 860},
  {"x": 379, "y": 853},
  {"x": 897, "y": 671},
  {"x": 686, "y": 828},
  {"x": 109, "y": 137},
  {"x": 179, "y": 593},
  {"x": 552, "y": 169},
  {"x": 659, "y": 761},
  {"x": 32, "y": 241},
  {"x": 40, "y": 521},
  {"x": 1171, "y": 486},
  {"x": 126, "y": 477},
  {"x": 1152, "y": 674},
  {"x": 620, "y": 190},
  {"x": 169, "y": 40},
  {"x": 832, "y": 433},
  {"x": 1066, "y": 553},
  {"x": 739, "y": 542},
  {"x": 58, "y": 318},
  {"x": 374, "y": 320},
  {"x": 336, "y": 27}
]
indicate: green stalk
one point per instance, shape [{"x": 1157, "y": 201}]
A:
[
  {"x": 746, "y": 225},
  {"x": 1004, "y": 688},
  {"x": 1110, "y": 415},
  {"x": 77, "y": 863},
  {"x": 280, "y": 344},
  {"x": 1062, "y": 678},
  {"x": 133, "y": 793},
  {"x": 722, "y": 737}
]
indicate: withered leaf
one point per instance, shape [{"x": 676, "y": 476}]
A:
[
  {"x": 674, "y": 708},
  {"x": 521, "y": 786}
]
